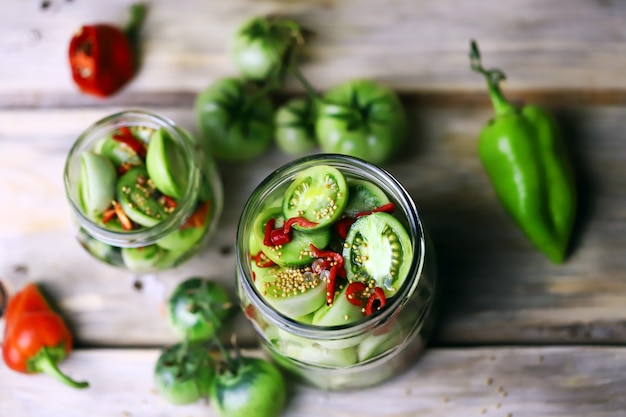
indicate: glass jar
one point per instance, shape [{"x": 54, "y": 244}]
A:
[
  {"x": 136, "y": 207},
  {"x": 362, "y": 353}
]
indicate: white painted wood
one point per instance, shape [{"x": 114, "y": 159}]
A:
[
  {"x": 411, "y": 46},
  {"x": 473, "y": 382}
]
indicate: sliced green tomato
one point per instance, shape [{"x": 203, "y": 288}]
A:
[
  {"x": 294, "y": 292},
  {"x": 378, "y": 249},
  {"x": 119, "y": 153},
  {"x": 363, "y": 196},
  {"x": 319, "y": 194},
  {"x": 102, "y": 251},
  {"x": 298, "y": 250},
  {"x": 142, "y": 259},
  {"x": 318, "y": 355},
  {"x": 340, "y": 312},
  {"x": 375, "y": 344},
  {"x": 182, "y": 240},
  {"x": 166, "y": 164},
  {"x": 139, "y": 198},
  {"x": 97, "y": 183}
]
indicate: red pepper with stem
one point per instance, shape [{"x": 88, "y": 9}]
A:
[
  {"x": 35, "y": 337},
  {"x": 103, "y": 57}
]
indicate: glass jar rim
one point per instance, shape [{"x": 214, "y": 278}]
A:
[
  {"x": 145, "y": 235},
  {"x": 415, "y": 229}
]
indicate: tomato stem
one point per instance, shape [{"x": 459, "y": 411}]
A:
[{"x": 310, "y": 90}]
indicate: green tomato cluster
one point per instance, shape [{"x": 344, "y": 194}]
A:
[
  {"x": 187, "y": 371},
  {"x": 360, "y": 118}
]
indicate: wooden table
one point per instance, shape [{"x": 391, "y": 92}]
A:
[{"x": 518, "y": 336}]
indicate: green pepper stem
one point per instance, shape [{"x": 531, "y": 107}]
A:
[
  {"x": 45, "y": 363},
  {"x": 493, "y": 77}
]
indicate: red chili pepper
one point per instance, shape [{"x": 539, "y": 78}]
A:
[
  {"x": 330, "y": 285},
  {"x": 36, "y": 337},
  {"x": 387, "y": 208},
  {"x": 327, "y": 254},
  {"x": 262, "y": 261},
  {"x": 269, "y": 226},
  {"x": 354, "y": 293},
  {"x": 376, "y": 301},
  {"x": 108, "y": 215},
  {"x": 168, "y": 201},
  {"x": 198, "y": 218},
  {"x": 123, "y": 218},
  {"x": 103, "y": 57},
  {"x": 343, "y": 225},
  {"x": 127, "y": 138},
  {"x": 300, "y": 221},
  {"x": 280, "y": 236}
]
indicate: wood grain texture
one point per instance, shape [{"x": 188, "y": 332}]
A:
[
  {"x": 496, "y": 288},
  {"x": 519, "y": 382},
  {"x": 410, "y": 46}
]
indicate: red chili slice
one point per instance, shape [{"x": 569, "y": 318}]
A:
[
  {"x": 376, "y": 301},
  {"x": 343, "y": 225},
  {"x": 168, "y": 201},
  {"x": 108, "y": 215},
  {"x": 198, "y": 218},
  {"x": 269, "y": 226},
  {"x": 328, "y": 254},
  {"x": 279, "y": 237},
  {"x": 387, "y": 208},
  {"x": 127, "y": 138},
  {"x": 354, "y": 293},
  {"x": 124, "y": 220},
  {"x": 262, "y": 261},
  {"x": 330, "y": 286},
  {"x": 300, "y": 221}
]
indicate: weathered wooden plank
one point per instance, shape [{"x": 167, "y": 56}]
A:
[
  {"x": 496, "y": 288},
  {"x": 520, "y": 382},
  {"x": 410, "y": 46}
]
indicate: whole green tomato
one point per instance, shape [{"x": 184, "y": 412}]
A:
[
  {"x": 255, "y": 388},
  {"x": 237, "y": 123},
  {"x": 363, "y": 119},
  {"x": 183, "y": 373},
  {"x": 197, "y": 308},
  {"x": 295, "y": 126},
  {"x": 264, "y": 47}
]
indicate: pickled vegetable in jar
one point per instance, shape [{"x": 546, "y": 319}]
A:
[
  {"x": 336, "y": 272},
  {"x": 144, "y": 194}
]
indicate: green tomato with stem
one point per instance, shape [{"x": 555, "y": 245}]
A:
[
  {"x": 361, "y": 118},
  {"x": 235, "y": 119},
  {"x": 198, "y": 308},
  {"x": 264, "y": 47},
  {"x": 295, "y": 126},
  {"x": 248, "y": 387},
  {"x": 183, "y": 373}
]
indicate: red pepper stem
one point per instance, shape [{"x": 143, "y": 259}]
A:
[
  {"x": 493, "y": 77},
  {"x": 45, "y": 363}
]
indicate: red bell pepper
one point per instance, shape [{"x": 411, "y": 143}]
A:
[
  {"x": 103, "y": 57},
  {"x": 35, "y": 337}
]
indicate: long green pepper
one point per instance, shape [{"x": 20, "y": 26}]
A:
[{"x": 525, "y": 158}]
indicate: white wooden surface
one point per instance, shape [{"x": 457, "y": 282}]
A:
[
  {"x": 568, "y": 55},
  {"x": 520, "y": 382}
]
